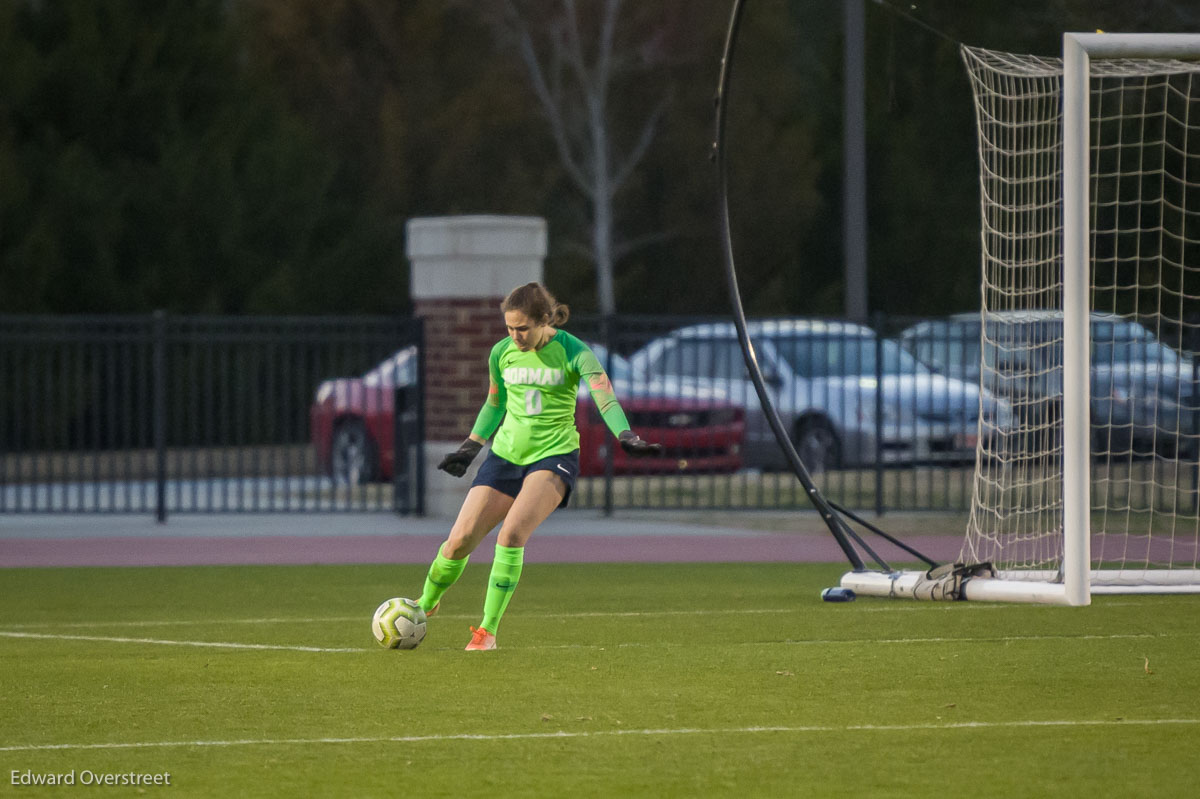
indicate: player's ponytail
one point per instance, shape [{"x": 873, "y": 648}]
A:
[
  {"x": 559, "y": 313},
  {"x": 537, "y": 303}
]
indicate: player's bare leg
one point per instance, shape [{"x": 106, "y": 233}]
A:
[
  {"x": 481, "y": 511},
  {"x": 541, "y": 492}
]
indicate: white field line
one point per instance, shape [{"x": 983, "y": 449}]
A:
[
  {"x": 342, "y": 619},
  {"x": 650, "y": 614},
  {"x": 164, "y": 642},
  {"x": 999, "y": 639},
  {"x": 957, "y": 727},
  {"x": 233, "y": 645}
]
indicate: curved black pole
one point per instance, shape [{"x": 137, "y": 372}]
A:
[
  {"x": 837, "y": 526},
  {"x": 830, "y": 511}
]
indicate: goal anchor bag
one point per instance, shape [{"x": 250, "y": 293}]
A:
[{"x": 945, "y": 582}]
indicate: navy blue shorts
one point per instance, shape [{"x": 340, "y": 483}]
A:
[{"x": 507, "y": 477}]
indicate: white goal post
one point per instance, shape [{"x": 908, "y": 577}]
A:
[{"x": 1090, "y": 250}]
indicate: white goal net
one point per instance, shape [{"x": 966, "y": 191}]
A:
[{"x": 1120, "y": 416}]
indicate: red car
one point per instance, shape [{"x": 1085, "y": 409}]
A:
[{"x": 352, "y": 426}]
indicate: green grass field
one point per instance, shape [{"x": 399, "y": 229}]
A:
[{"x": 611, "y": 680}]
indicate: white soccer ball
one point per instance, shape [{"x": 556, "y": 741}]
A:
[{"x": 399, "y": 623}]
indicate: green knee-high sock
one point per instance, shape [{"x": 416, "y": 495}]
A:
[
  {"x": 442, "y": 574},
  {"x": 506, "y": 571}
]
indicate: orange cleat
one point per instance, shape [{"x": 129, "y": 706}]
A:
[
  {"x": 433, "y": 610},
  {"x": 481, "y": 640}
]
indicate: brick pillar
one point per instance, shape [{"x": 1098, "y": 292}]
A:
[
  {"x": 459, "y": 335},
  {"x": 461, "y": 268}
]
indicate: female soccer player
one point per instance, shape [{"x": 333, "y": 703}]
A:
[{"x": 531, "y": 469}]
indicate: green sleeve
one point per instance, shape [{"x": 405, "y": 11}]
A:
[
  {"x": 592, "y": 373},
  {"x": 492, "y": 412}
]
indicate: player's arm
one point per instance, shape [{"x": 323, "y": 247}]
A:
[
  {"x": 600, "y": 387},
  {"x": 492, "y": 412},
  {"x": 489, "y": 418}
]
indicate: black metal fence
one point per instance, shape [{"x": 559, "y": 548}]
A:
[
  {"x": 164, "y": 414},
  {"x": 880, "y": 431}
]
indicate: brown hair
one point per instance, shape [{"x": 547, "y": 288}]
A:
[{"x": 537, "y": 303}]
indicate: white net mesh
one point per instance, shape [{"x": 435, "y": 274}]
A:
[{"x": 1145, "y": 320}]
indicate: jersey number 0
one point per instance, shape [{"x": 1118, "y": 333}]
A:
[{"x": 533, "y": 402}]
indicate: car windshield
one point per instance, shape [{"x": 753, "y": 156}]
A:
[
  {"x": 839, "y": 356},
  {"x": 1134, "y": 351},
  {"x": 398, "y": 370},
  {"x": 1111, "y": 342},
  {"x": 949, "y": 349},
  {"x": 616, "y": 366}
]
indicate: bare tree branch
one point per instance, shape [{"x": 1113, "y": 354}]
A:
[
  {"x": 575, "y": 47},
  {"x": 649, "y": 129},
  {"x": 551, "y": 100},
  {"x": 572, "y": 84},
  {"x": 608, "y": 31}
]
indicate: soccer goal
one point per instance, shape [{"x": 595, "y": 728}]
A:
[{"x": 1090, "y": 323}]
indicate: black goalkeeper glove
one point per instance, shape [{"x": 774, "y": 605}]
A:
[
  {"x": 634, "y": 445},
  {"x": 456, "y": 463}
]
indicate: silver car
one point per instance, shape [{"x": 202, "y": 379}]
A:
[
  {"x": 1142, "y": 391},
  {"x": 847, "y": 397}
]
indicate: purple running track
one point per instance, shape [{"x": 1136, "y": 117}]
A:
[{"x": 351, "y": 549}]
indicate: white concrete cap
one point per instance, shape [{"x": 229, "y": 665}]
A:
[{"x": 474, "y": 256}]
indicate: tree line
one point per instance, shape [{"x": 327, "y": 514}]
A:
[{"x": 207, "y": 156}]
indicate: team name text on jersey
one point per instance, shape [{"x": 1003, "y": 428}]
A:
[{"x": 530, "y": 376}]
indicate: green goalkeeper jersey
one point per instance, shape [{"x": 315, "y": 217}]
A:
[{"x": 534, "y": 393}]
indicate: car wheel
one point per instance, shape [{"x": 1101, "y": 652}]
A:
[
  {"x": 353, "y": 457},
  {"x": 817, "y": 446}
]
